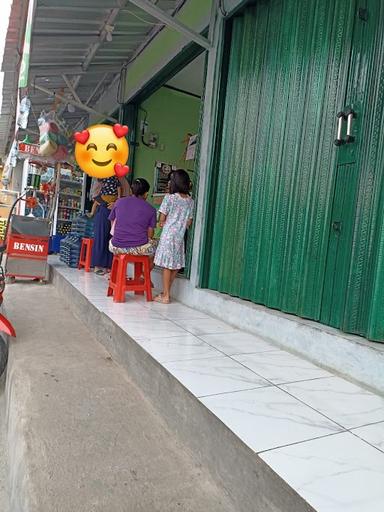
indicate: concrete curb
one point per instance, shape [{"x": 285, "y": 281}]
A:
[{"x": 250, "y": 482}]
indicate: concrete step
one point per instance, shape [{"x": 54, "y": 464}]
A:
[
  {"x": 81, "y": 435},
  {"x": 251, "y": 483}
]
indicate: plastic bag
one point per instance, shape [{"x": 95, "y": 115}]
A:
[
  {"x": 24, "y": 109},
  {"x": 54, "y": 137}
]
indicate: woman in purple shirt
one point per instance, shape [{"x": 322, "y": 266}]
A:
[{"x": 133, "y": 223}]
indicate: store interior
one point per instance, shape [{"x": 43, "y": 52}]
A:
[{"x": 167, "y": 120}]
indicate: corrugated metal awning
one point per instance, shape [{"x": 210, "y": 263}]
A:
[
  {"x": 78, "y": 48},
  {"x": 10, "y": 67}
]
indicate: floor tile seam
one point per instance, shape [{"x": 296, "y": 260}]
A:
[
  {"x": 134, "y": 321},
  {"x": 280, "y": 383},
  {"x": 154, "y": 338},
  {"x": 313, "y": 408},
  {"x": 275, "y": 448},
  {"x": 271, "y": 384},
  {"x": 268, "y": 380},
  {"x": 199, "y": 336},
  {"x": 304, "y": 380},
  {"x": 175, "y": 321},
  {"x": 194, "y": 358},
  {"x": 252, "y": 353},
  {"x": 351, "y": 431},
  {"x": 368, "y": 424},
  {"x": 233, "y": 392}
]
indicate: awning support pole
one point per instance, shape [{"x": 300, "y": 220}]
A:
[
  {"x": 165, "y": 18},
  {"x": 73, "y": 102}
]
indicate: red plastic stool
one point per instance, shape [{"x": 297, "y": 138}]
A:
[
  {"x": 119, "y": 283},
  {"x": 85, "y": 254}
]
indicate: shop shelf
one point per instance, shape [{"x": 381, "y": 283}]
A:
[
  {"x": 71, "y": 182},
  {"x": 69, "y": 207},
  {"x": 70, "y": 195}
]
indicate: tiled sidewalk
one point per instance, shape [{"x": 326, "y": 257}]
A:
[{"x": 319, "y": 432}]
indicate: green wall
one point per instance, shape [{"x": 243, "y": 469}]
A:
[
  {"x": 193, "y": 14},
  {"x": 172, "y": 115}
]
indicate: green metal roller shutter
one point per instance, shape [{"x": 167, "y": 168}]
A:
[{"x": 280, "y": 180}]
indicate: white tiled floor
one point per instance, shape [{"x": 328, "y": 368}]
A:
[
  {"x": 237, "y": 342},
  {"x": 322, "y": 434},
  {"x": 279, "y": 366},
  {"x": 344, "y": 402},
  {"x": 201, "y": 326},
  {"x": 266, "y": 418},
  {"x": 213, "y": 376},
  {"x": 373, "y": 434},
  {"x": 179, "y": 348},
  {"x": 335, "y": 474}
]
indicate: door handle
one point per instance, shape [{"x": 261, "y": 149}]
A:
[
  {"x": 351, "y": 115},
  {"x": 339, "y": 137},
  {"x": 336, "y": 226}
]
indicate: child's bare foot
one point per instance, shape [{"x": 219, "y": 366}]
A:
[{"x": 162, "y": 299}]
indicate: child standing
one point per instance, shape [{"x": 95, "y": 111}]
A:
[{"x": 176, "y": 213}]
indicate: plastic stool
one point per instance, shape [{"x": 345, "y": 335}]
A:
[
  {"x": 85, "y": 254},
  {"x": 119, "y": 283}
]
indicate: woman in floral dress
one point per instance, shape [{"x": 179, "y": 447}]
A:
[{"x": 176, "y": 213}]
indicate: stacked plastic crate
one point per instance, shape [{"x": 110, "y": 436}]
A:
[{"x": 82, "y": 227}]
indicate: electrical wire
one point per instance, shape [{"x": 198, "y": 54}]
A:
[
  {"x": 122, "y": 85},
  {"x": 143, "y": 127},
  {"x": 142, "y": 19}
]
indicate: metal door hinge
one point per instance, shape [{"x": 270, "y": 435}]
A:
[{"x": 363, "y": 14}]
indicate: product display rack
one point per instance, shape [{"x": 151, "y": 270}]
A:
[
  {"x": 7, "y": 198},
  {"x": 70, "y": 198}
]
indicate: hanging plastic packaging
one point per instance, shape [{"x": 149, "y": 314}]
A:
[
  {"x": 54, "y": 139},
  {"x": 24, "y": 109}
]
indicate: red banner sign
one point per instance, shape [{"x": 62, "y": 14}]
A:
[
  {"x": 34, "y": 248},
  {"x": 30, "y": 149}
]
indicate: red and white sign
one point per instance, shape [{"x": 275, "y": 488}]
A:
[
  {"x": 34, "y": 248},
  {"x": 30, "y": 149}
]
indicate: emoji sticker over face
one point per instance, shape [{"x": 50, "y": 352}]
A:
[{"x": 102, "y": 151}]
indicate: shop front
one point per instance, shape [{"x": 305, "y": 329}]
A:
[
  {"x": 166, "y": 133},
  {"x": 278, "y": 125}
]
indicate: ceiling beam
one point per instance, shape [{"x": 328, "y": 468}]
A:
[
  {"x": 72, "y": 90},
  {"x": 92, "y": 50},
  {"x": 68, "y": 21},
  {"x": 172, "y": 22},
  {"x": 71, "y": 8},
  {"x": 80, "y": 105},
  {"x": 96, "y": 88},
  {"x": 64, "y": 31},
  {"x": 41, "y": 69}
]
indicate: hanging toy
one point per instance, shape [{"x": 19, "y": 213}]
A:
[{"x": 102, "y": 151}]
